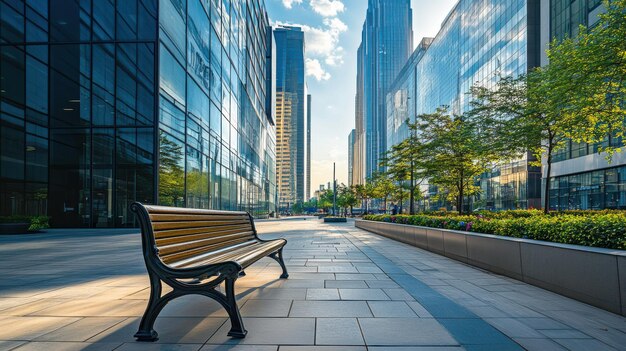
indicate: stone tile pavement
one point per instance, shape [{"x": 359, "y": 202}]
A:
[{"x": 348, "y": 290}]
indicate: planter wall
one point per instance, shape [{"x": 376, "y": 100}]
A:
[
  {"x": 592, "y": 275},
  {"x": 335, "y": 220},
  {"x": 14, "y": 228}
]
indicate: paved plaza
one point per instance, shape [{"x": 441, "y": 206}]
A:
[{"x": 348, "y": 290}]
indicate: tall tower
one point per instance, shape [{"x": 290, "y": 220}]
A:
[
  {"x": 307, "y": 195},
  {"x": 387, "y": 42},
  {"x": 291, "y": 115}
]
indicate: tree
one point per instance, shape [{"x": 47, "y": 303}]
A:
[
  {"x": 580, "y": 95},
  {"x": 297, "y": 208},
  {"x": 346, "y": 198},
  {"x": 311, "y": 205},
  {"x": 592, "y": 68},
  {"x": 382, "y": 187},
  {"x": 402, "y": 162},
  {"x": 454, "y": 153},
  {"x": 326, "y": 200},
  {"x": 365, "y": 192},
  {"x": 400, "y": 193}
]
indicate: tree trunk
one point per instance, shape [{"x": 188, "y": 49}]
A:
[
  {"x": 546, "y": 189},
  {"x": 412, "y": 192},
  {"x": 460, "y": 199}
]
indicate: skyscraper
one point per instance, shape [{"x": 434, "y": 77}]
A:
[
  {"x": 358, "y": 160},
  {"x": 351, "y": 143},
  {"x": 291, "y": 116},
  {"x": 307, "y": 195},
  {"x": 386, "y": 43},
  {"x": 478, "y": 41},
  {"x": 103, "y": 103}
]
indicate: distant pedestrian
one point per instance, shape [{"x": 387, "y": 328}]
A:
[{"x": 394, "y": 210}]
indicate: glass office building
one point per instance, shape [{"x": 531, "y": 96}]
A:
[
  {"x": 479, "y": 41},
  {"x": 107, "y": 102},
  {"x": 387, "y": 42},
  {"x": 581, "y": 177},
  {"x": 351, "y": 139},
  {"x": 291, "y": 117}
]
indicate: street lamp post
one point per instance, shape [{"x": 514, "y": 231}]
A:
[{"x": 334, "y": 192}]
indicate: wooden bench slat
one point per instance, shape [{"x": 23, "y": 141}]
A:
[
  {"x": 192, "y": 261},
  {"x": 172, "y": 258},
  {"x": 157, "y": 217},
  {"x": 195, "y": 224},
  {"x": 187, "y": 245},
  {"x": 202, "y": 236},
  {"x": 219, "y": 256},
  {"x": 244, "y": 256},
  {"x": 186, "y": 211},
  {"x": 168, "y": 233}
]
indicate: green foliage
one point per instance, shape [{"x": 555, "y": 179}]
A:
[
  {"x": 326, "y": 200},
  {"x": 346, "y": 197},
  {"x": 171, "y": 172},
  {"x": 455, "y": 152},
  {"x": 588, "y": 228},
  {"x": 580, "y": 95},
  {"x": 38, "y": 223}
]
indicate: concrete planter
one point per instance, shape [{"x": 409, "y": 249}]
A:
[
  {"x": 335, "y": 220},
  {"x": 592, "y": 275},
  {"x": 14, "y": 228}
]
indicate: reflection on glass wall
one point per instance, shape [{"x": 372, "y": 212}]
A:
[
  {"x": 216, "y": 142},
  {"x": 77, "y": 109},
  {"x": 479, "y": 42},
  {"x": 589, "y": 191},
  {"x": 87, "y": 114}
]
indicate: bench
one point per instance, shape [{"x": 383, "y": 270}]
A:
[{"x": 194, "y": 251}]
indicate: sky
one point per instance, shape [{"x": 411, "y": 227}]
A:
[{"x": 333, "y": 34}]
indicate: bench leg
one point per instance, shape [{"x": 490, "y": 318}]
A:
[
  {"x": 155, "y": 305},
  {"x": 237, "y": 329},
  {"x": 278, "y": 256}
]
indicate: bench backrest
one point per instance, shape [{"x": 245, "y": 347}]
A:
[{"x": 183, "y": 235}]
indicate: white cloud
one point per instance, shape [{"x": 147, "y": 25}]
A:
[
  {"x": 327, "y": 8},
  {"x": 335, "y": 25},
  {"x": 289, "y": 3},
  {"x": 314, "y": 69},
  {"x": 323, "y": 42}
]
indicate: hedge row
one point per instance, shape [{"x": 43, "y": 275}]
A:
[
  {"x": 606, "y": 230},
  {"x": 526, "y": 213}
]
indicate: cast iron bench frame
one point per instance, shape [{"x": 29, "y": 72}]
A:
[{"x": 201, "y": 280}]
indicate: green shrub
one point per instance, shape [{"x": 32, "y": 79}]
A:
[
  {"x": 39, "y": 223},
  {"x": 599, "y": 229}
]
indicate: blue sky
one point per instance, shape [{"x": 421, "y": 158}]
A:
[{"x": 333, "y": 34}]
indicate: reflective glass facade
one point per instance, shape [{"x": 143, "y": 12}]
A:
[
  {"x": 291, "y": 117},
  {"x": 351, "y": 138},
  {"x": 595, "y": 190},
  {"x": 479, "y": 41},
  {"x": 387, "y": 42},
  {"x": 581, "y": 177},
  {"x": 107, "y": 102}
]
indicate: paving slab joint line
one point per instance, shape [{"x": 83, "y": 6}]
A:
[{"x": 458, "y": 334}]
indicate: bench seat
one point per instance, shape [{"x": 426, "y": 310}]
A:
[
  {"x": 194, "y": 251},
  {"x": 244, "y": 254}
]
